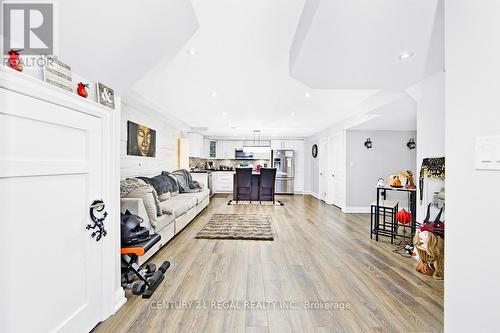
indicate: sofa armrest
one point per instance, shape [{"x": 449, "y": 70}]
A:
[{"x": 136, "y": 207}]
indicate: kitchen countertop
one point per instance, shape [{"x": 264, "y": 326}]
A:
[
  {"x": 206, "y": 171},
  {"x": 232, "y": 171}
]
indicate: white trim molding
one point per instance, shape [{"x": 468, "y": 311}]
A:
[
  {"x": 312, "y": 194},
  {"x": 356, "y": 210}
]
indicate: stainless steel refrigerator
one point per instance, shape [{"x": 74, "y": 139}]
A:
[{"x": 284, "y": 162}]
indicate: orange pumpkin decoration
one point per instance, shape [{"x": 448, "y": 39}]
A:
[
  {"x": 394, "y": 181},
  {"x": 404, "y": 217}
]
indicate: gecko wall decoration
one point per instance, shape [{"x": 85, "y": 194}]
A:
[{"x": 97, "y": 205}]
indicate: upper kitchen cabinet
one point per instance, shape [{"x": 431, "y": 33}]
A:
[
  {"x": 285, "y": 144},
  {"x": 223, "y": 149},
  {"x": 226, "y": 148},
  {"x": 277, "y": 144},
  {"x": 297, "y": 146},
  {"x": 196, "y": 145},
  {"x": 209, "y": 148}
]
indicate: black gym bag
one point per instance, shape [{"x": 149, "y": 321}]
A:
[{"x": 131, "y": 230}]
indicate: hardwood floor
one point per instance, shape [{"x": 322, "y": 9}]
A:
[{"x": 319, "y": 255}]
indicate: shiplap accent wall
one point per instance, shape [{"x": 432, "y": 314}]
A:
[{"x": 167, "y": 138}]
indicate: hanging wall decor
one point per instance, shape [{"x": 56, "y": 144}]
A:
[
  {"x": 411, "y": 144},
  {"x": 315, "y": 150},
  {"x": 433, "y": 168},
  {"x": 141, "y": 140},
  {"x": 368, "y": 143}
]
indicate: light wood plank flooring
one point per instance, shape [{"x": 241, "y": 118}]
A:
[{"x": 319, "y": 255}]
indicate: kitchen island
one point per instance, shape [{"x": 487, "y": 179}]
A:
[{"x": 255, "y": 186}]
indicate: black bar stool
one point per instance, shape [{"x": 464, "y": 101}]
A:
[
  {"x": 267, "y": 183},
  {"x": 387, "y": 223},
  {"x": 243, "y": 184}
]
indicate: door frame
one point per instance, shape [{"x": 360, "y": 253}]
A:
[
  {"x": 113, "y": 296},
  {"x": 337, "y": 198},
  {"x": 323, "y": 168}
]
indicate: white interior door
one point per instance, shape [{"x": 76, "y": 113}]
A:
[
  {"x": 51, "y": 170},
  {"x": 323, "y": 168},
  {"x": 336, "y": 171}
]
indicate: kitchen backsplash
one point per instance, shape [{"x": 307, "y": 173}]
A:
[{"x": 199, "y": 163}]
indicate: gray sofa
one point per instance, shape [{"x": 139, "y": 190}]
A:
[{"x": 184, "y": 207}]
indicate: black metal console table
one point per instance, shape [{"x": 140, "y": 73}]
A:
[{"x": 382, "y": 191}]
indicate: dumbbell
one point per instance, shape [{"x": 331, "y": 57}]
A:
[
  {"x": 138, "y": 288},
  {"x": 149, "y": 270},
  {"x": 164, "y": 266},
  {"x": 129, "y": 277},
  {"x": 153, "y": 280}
]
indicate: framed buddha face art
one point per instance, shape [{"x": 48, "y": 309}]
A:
[{"x": 141, "y": 140}]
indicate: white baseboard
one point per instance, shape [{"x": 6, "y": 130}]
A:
[
  {"x": 316, "y": 195},
  {"x": 358, "y": 210}
]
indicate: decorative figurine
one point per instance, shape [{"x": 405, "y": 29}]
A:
[
  {"x": 381, "y": 182},
  {"x": 394, "y": 181},
  {"x": 82, "y": 90},
  {"x": 410, "y": 183},
  {"x": 430, "y": 250},
  {"x": 15, "y": 60}
]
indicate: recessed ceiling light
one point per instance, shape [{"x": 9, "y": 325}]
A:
[
  {"x": 406, "y": 55},
  {"x": 307, "y": 95},
  {"x": 292, "y": 114},
  {"x": 224, "y": 113},
  {"x": 192, "y": 52},
  {"x": 214, "y": 94}
]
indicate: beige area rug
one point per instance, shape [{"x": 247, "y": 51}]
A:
[{"x": 238, "y": 226}]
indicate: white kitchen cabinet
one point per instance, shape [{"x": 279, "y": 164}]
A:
[
  {"x": 206, "y": 148},
  {"x": 223, "y": 181},
  {"x": 299, "y": 153},
  {"x": 195, "y": 144},
  {"x": 226, "y": 148},
  {"x": 277, "y": 144},
  {"x": 201, "y": 178},
  {"x": 297, "y": 146},
  {"x": 222, "y": 149},
  {"x": 210, "y": 148},
  {"x": 299, "y": 150},
  {"x": 298, "y": 184}
]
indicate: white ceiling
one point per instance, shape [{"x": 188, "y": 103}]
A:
[
  {"x": 239, "y": 80},
  {"x": 241, "y": 77},
  {"x": 355, "y": 44},
  {"x": 117, "y": 42},
  {"x": 399, "y": 114}
]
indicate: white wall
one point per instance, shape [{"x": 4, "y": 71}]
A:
[
  {"x": 429, "y": 95},
  {"x": 365, "y": 166},
  {"x": 311, "y": 167},
  {"x": 166, "y": 143},
  {"x": 472, "y": 268}
]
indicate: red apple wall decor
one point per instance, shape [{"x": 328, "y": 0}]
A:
[
  {"x": 82, "y": 89},
  {"x": 15, "y": 60}
]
